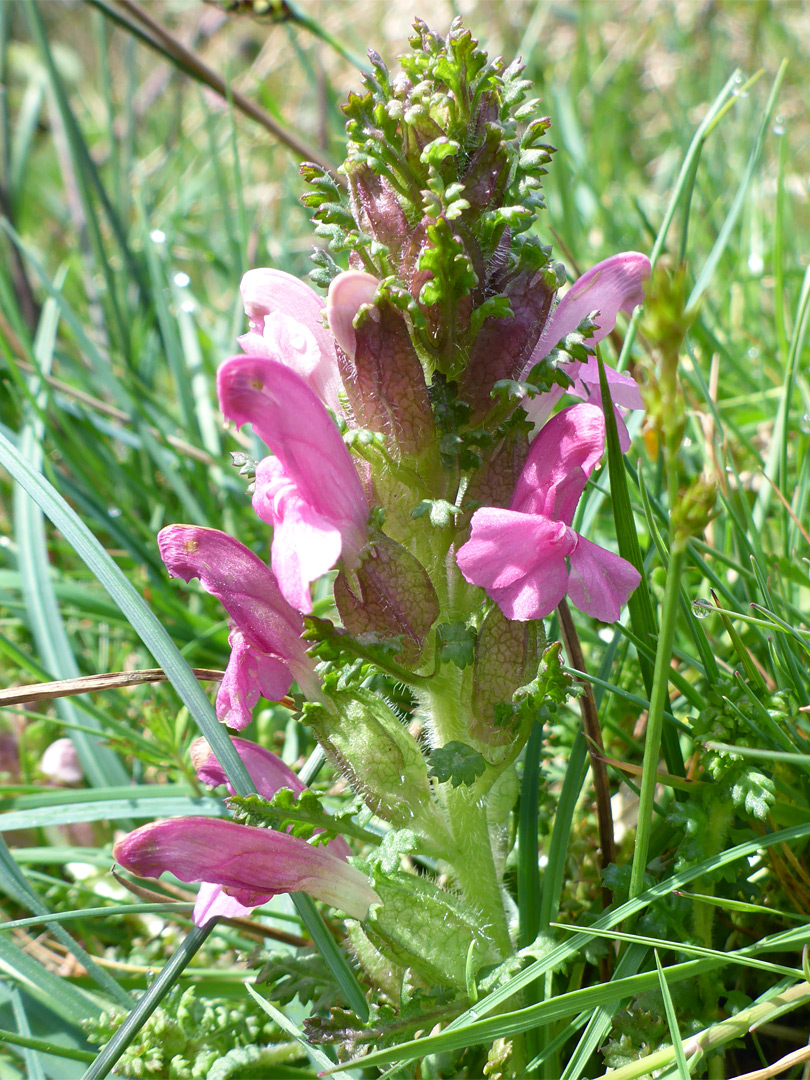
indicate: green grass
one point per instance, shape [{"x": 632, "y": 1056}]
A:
[{"x": 133, "y": 198}]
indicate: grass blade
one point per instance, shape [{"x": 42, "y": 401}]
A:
[
  {"x": 14, "y": 884},
  {"x": 132, "y": 605},
  {"x": 157, "y": 991}
]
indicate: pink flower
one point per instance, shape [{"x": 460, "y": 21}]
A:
[
  {"x": 239, "y": 866},
  {"x": 614, "y": 285},
  {"x": 518, "y": 555},
  {"x": 61, "y": 763},
  {"x": 309, "y": 492},
  {"x": 267, "y": 771},
  {"x": 267, "y": 652},
  {"x": 286, "y": 325}
]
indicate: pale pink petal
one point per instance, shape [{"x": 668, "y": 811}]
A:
[
  {"x": 624, "y": 389},
  {"x": 251, "y": 864},
  {"x": 347, "y": 294},
  {"x": 213, "y": 903},
  {"x": 305, "y": 545},
  {"x": 290, "y": 418},
  {"x": 253, "y": 344},
  {"x": 539, "y": 408},
  {"x": 614, "y": 285},
  {"x": 560, "y": 460},
  {"x": 267, "y": 771},
  {"x": 519, "y": 559},
  {"x": 600, "y": 582},
  {"x": 265, "y": 290},
  {"x": 61, "y": 762},
  {"x": 292, "y": 343}
]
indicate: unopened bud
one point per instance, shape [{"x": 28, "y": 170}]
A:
[
  {"x": 389, "y": 594},
  {"x": 693, "y": 510}
]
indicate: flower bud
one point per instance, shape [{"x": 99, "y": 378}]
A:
[
  {"x": 693, "y": 510},
  {"x": 61, "y": 763},
  {"x": 381, "y": 373},
  {"x": 390, "y": 594},
  {"x": 374, "y": 751},
  {"x": 506, "y": 657}
]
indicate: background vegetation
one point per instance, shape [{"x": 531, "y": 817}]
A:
[{"x": 134, "y": 195}]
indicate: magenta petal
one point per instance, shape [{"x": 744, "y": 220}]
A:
[
  {"x": 614, "y": 285},
  {"x": 213, "y": 903},
  {"x": 519, "y": 559},
  {"x": 250, "y": 674},
  {"x": 289, "y": 417},
  {"x": 347, "y": 294},
  {"x": 534, "y": 596},
  {"x": 267, "y": 650},
  {"x": 560, "y": 460},
  {"x": 239, "y": 689},
  {"x": 600, "y": 581},
  {"x": 267, "y": 771},
  {"x": 251, "y": 864},
  {"x": 624, "y": 389},
  {"x": 584, "y": 387},
  {"x": 242, "y": 583}
]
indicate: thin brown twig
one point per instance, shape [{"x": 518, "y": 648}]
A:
[
  {"x": 110, "y": 680},
  {"x": 108, "y": 410},
  {"x": 86, "y": 684},
  {"x": 164, "y": 42}
]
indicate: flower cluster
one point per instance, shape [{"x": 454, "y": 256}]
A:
[{"x": 413, "y": 448}]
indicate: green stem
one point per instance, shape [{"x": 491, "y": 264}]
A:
[
  {"x": 474, "y": 865},
  {"x": 471, "y": 855},
  {"x": 704, "y": 913},
  {"x": 655, "y": 717}
]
